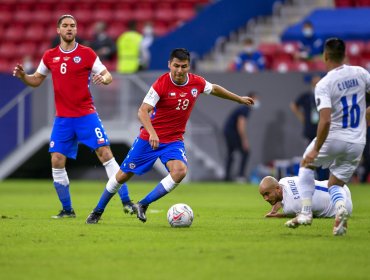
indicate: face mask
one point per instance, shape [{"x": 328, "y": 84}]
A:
[
  {"x": 249, "y": 49},
  {"x": 307, "y": 32}
]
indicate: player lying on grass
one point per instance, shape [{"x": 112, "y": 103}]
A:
[{"x": 285, "y": 195}]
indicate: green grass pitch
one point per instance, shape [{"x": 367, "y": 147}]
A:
[{"x": 229, "y": 238}]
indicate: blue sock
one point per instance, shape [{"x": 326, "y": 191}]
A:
[
  {"x": 154, "y": 195},
  {"x": 64, "y": 196},
  {"x": 336, "y": 194},
  {"x": 123, "y": 193},
  {"x": 104, "y": 199}
]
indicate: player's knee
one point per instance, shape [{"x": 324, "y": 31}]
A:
[
  {"x": 104, "y": 154},
  {"x": 179, "y": 173},
  {"x": 58, "y": 160}
]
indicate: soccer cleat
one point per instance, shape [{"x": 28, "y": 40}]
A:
[
  {"x": 65, "y": 214},
  {"x": 340, "y": 224},
  {"x": 93, "y": 218},
  {"x": 140, "y": 210},
  {"x": 128, "y": 207},
  {"x": 300, "y": 219}
]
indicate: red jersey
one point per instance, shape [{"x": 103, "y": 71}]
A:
[
  {"x": 172, "y": 105},
  {"x": 71, "y": 71}
]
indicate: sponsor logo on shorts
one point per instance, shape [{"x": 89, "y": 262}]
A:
[
  {"x": 101, "y": 140},
  {"x": 52, "y": 144},
  {"x": 77, "y": 59},
  {"x": 131, "y": 165}
]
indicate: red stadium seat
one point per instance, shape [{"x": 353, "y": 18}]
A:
[
  {"x": 302, "y": 66},
  {"x": 15, "y": 33},
  {"x": 43, "y": 16},
  {"x": 23, "y": 16},
  {"x": 6, "y": 17},
  {"x": 184, "y": 14},
  {"x": 35, "y": 32},
  {"x": 365, "y": 62},
  {"x": 344, "y": 3},
  {"x": 143, "y": 12},
  {"x": 123, "y": 15},
  {"x": 8, "y": 50},
  {"x": 115, "y": 29},
  {"x": 102, "y": 15},
  {"x": 164, "y": 11},
  {"x": 283, "y": 65},
  {"x": 26, "y": 48}
]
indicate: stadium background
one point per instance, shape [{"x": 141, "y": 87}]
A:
[{"x": 213, "y": 31}]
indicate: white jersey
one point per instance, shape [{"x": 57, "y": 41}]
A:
[
  {"x": 321, "y": 203},
  {"x": 343, "y": 90}
]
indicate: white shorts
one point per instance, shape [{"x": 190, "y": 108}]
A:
[{"x": 342, "y": 158}]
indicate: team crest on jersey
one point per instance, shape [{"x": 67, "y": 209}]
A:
[
  {"x": 52, "y": 144},
  {"x": 56, "y": 59},
  {"x": 131, "y": 165},
  {"x": 77, "y": 59},
  {"x": 183, "y": 94},
  {"x": 194, "y": 92},
  {"x": 66, "y": 58}
]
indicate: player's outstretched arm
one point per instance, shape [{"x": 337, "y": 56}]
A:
[
  {"x": 104, "y": 78},
  {"x": 221, "y": 92},
  {"x": 33, "y": 80}
]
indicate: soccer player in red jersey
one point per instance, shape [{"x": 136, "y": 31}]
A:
[
  {"x": 164, "y": 113},
  {"x": 76, "y": 120}
]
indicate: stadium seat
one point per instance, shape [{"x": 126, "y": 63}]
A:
[
  {"x": 365, "y": 62},
  {"x": 6, "y": 17},
  {"x": 24, "y": 16},
  {"x": 115, "y": 29},
  {"x": 344, "y": 3},
  {"x": 301, "y": 66},
  {"x": 164, "y": 12},
  {"x": 35, "y": 32},
  {"x": 15, "y": 33},
  {"x": 102, "y": 15},
  {"x": 283, "y": 65},
  {"x": 143, "y": 12},
  {"x": 122, "y": 15},
  {"x": 8, "y": 50},
  {"x": 43, "y": 16},
  {"x": 26, "y": 48}
]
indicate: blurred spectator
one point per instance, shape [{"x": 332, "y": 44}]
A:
[
  {"x": 128, "y": 50},
  {"x": 102, "y": 43},
  {"x": 310, "y": 45},
  {"x": 235, "y": 132},
  {"x": 148, "y": 37},
  {"x": 304, "y": 108},
  {"x": 250, "y": 59},
  {"x": 28, "y": 65}
]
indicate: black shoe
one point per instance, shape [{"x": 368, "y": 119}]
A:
[
  {"x": 65, "y": 214},
  {"x": 128, "y": 207},
  {"x": 140, "y": 210},
  {"x": 94, "y": 217}
]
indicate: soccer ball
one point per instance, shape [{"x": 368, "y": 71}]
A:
[{"x": 180, "y": 215}]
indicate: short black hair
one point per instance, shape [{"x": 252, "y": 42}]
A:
[
  {"x": 63, "y": 17},
  {"x": 180, "y": 54},
  {"x": 335, "y": 49}
]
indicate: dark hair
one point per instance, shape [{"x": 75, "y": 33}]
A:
[
  {"x": 335, "y": 49},
  {"x": 63, "y": 17},
  {"x": 180, "y": 54}
]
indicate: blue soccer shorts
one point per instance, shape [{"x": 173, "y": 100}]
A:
[
  {"x": 69, "y": 132},
  {"x": 141, "y": 157}
]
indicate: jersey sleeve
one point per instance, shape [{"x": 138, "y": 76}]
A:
[
  {"x": 42, "y": 68},
  {"x": 151, "y": 97},
  {"x": 208, "y": 88},
  {"x": 322, "y": 96},
  {"x": 98, "y": 66}
]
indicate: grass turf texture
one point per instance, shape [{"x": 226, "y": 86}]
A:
[{"x": 229, "y": 238}]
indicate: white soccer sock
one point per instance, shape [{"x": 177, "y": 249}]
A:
[
  {"x": 60, "y": 176},
  {"x": 337, "y": 196},
  {"x": 306, "y": 183},
  {"x": 111, "y": 167},
  {"x": 168, "y": 183},
  {"x": 112, "y": 185}
]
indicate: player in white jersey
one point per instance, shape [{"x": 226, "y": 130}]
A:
[
  {"x": 285, "y": 195},
  {"x": 340, "y": 139}
]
